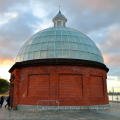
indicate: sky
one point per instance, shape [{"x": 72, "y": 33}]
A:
[{"x": 98, "y": 19}]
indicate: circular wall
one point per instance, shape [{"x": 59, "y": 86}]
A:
[{"x": 72, "y": 83}]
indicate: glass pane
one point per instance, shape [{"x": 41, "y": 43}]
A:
[
  {"x": 32, "y": 48},
  {"x": 38, "y": 35},
  {"x": 20, "y": 51},
  {"x": 96, "y": 57},
  {"x": 79, "y": 46},
  {"x": 58, "y": 38},
  {"x": 34, "y": 36},
  {"x": 21, "y": 58},
  {"x": 94, "y": 50},
  {"x": 52, "y": 32},
  {"x": 27, "y": 49},
  {"x": 67, "y": 29},
  {"x": 25, "y": 57},
  {"x": 45, "y": 39},
  {"x": 34, "y": 40},
  {"x": 50, "y": 54},
  {"x": 51, "y": 45},
  {"x": 18, "y": 59},
  {"x": 64, "y": 33},
  {"x": 65, "y": 54},
  {"x": 52, "y": 38},
  {"x": 86, "y": 55},
  {"x": 26, "y": 43},
  {"x": 39, "y": 39},
  {"x": 99, "y": 53},
  {"x": 73, "y": 54},
  {"x": 83, "y": 36},
  {"x": 82, "y": 40},
  {"x": 72, "y": 46},
  {"x": 85, "y": 47},
  {"x": 71, "y": 29},
  {"x": 76, "y": 39},
  {"x": 58, "y": 45},
  {"x": 63, "y": 28},
  {"x": 91, "y": 56},
  {"x": 99, "y": 59},
  {"x": 44, "y": 46},
  {"x": 58, "y": 32},
  {"x": 80, "y": 55},
  {"x": 30, "y": 56},
  {"x": 37, "y": 55},
  {"x": 102, "y": 59},
  {"x": 23, "y": 50},
  {"x": 74, "y": 33},
  {"x": 43, "y": 33},
  {"x": 65, "y": 45},
  {"x": 38, "y": 46},
  {"x": 90, "y": 48},
  {"x": 58, "y": 54},
  {"x": 69, "y": 32},
  {"x": 64, "y": 38},
  {"x": 91, "y": 43},
  {"x": 47, "y": 33},
  {"x": 54, "y": 28},
  {"x": 58, "y": 28},
  {"x": 30, "y": 42},
  {"x": 79, "y": 34},
  {"x": 49, "y": 29},
  {"x": 87, "y": 41},
  {"x": 43, "y": 54},
  {"x": 71, "y": 38}
]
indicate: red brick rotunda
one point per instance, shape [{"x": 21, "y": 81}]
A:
[{"x": 59, "y": 63}]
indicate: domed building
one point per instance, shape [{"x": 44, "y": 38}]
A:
[{"x": 59, "y": 63}]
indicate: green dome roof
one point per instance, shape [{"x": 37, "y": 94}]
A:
[
  {"x": 59, "y": 42},
  {"x": 60, "y": 15}
]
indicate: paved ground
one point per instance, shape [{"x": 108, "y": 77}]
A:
[
  {"x": 33, "y": 115},
  {"x": 114, "y": 108}
]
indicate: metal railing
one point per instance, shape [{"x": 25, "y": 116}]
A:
[{"x": 47, "y": 105}]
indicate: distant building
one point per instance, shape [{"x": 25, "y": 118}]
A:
[
  {"x": 59, "y": 63},
  {"x": 110, "y": 91}
]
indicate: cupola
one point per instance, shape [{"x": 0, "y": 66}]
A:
[{"x": 59, "y": 20}]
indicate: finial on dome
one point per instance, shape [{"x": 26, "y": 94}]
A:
[{"x": 59, "y": 11}]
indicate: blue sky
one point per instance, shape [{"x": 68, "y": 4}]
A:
[{"x": 98, "y": 19}]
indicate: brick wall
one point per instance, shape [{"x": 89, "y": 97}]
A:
[
  {"x": 71, "y": 85},
  {"x": 14, "y": 88}
]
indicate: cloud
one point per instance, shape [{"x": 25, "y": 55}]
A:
[
  {"x": 86, "y": 16},
  {"x": 14, "y": 15},
  {"x": 109, "y": 43},
  {"x": 100, "y": 5},
  {"x": 15, "y": 32},
  {"x": 6, "y": 5},
  {"x": 115, "y": 78},
  {"x": 100, "y": 20}
]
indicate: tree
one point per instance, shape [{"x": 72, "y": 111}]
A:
[{"x": 4, "y": 85}]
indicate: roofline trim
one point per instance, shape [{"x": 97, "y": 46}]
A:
[{"x": 59, "y": 61}]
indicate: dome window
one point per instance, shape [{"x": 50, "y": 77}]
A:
[{"x": 58, "y": 23}]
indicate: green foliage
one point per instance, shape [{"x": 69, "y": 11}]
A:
[{"x": 4, "y": 85}]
